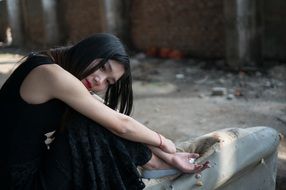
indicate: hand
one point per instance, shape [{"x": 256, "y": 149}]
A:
[
  {"x": 181, "y": 160},
  {"x": 168, "y": 146}
]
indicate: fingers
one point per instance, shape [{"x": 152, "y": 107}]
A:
[
  {"x": 194, "y": 155},
  {"x": 202, "y": 167},
  {"x": 198, "y": 167},
  {"x": 207, "y": 163}
]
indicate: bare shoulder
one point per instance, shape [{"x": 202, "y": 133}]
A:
[
  {"x": 54, "y": 75},
  {"x": 44, "y": 82},
  {"x": 49, "y": 71}
]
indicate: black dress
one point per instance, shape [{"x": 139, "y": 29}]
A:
[{"x": 85, "y": 156}]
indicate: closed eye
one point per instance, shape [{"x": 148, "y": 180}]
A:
[{"x": 103, "y": 68}]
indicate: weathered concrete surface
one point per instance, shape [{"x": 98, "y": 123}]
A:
[
  {"x": 174, "y": 98},
  {"x": 180, "y": 104}
]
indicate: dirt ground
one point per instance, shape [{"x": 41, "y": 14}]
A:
[{"x": 188, "y": 98}]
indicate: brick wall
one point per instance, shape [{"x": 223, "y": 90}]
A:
[
  {"x": 81, "y": 18},
  {"x": 33, "y": 23},
  {"x": 197, "y": 27},
  {"x": 194, "y": 27},
  {"x": 274, "y": 42}
]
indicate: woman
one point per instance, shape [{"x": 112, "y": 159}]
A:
[{"x": 51, "y": 91}]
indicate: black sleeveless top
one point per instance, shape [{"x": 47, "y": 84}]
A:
[{"x": 23, "y": 125}]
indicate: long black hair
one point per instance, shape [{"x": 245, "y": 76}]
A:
[{"x": 77, "y": 60}]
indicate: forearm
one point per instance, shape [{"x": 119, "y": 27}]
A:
[
  {"x": 135, "y": 131},
  {"x": 167, "y": 157},
  {"x": 130, "y": 129}
]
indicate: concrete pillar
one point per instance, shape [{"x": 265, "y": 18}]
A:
[
  {"x": 115, "y": 18},
  {"x": 3, "y": 21},
  {"x": 15, "y": 21},
  {"x": 51, "y": 25},
  {"x": 243, "y": 33}
]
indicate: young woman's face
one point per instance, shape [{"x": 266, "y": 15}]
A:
[{"x": 107, "y": 75}]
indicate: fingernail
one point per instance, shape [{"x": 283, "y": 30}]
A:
[{"x": 199, "y": 167}]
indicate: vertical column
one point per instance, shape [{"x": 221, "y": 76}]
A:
[
  {"x": 15, "y": 21},
  {"x": 115, "y": 18},
  {"x": 51, "y": 24},
  {"x": 3, "y": 21},
  {"x": 243, "y": 33}
]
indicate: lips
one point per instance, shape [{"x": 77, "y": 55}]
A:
[{"x": 87, "y": 84}]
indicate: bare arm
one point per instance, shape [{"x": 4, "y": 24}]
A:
[
  {"x": 51, "y": 81},
  {"x": 179, "y": 160}
]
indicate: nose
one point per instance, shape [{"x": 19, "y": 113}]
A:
[{"x": 99, "y": 80}]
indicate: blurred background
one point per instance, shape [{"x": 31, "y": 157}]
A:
[
  {"x": 244, "y": 29},
  {"x": 198, "y": 65}
]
